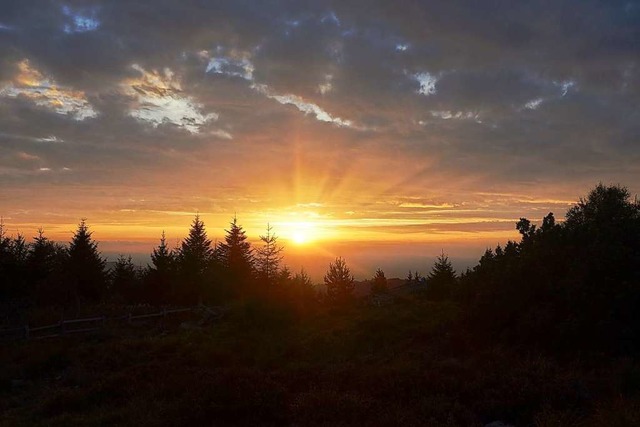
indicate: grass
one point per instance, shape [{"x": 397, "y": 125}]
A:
[{"x": 407, "y": 363}]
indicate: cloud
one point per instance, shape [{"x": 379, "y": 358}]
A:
[
  {"x": 33, "y": 85},
  {"x": 534, "y": 104},
  {"x": 427, "y": 83},
  {"x": 240, "y": 65},
  {"x": 26, "y": 156},
  {"x": 326, "y": 86},
  {"x": 305, "y": 107},
  {"x": 565, "y": 86},
  {"x": 236, "y": 67},
  {"x": 457, "y": 115},
  {"x": 159, "y": 99},
  {"x": 81, "y": 21}
]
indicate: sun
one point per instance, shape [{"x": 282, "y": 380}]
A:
[
  {"x": 299, "y": 237},
  {"x": 301, "y": 232}
]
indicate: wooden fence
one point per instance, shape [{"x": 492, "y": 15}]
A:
[{"x": 78, "y": 326}]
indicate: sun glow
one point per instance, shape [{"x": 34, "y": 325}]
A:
[
  {"x": 299, "y": 237},
  {"x": 301, "y": 232}
]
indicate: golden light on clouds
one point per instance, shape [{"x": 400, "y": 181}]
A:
[
  {"x": 32, "y": 84},
  {"x": 158, "y": 98}
]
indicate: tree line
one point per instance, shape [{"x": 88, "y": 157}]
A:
[
  {"x": 565, "y": 285},
  {"x": 49, "y": 273},
  {"x": 562, "y": 284}
]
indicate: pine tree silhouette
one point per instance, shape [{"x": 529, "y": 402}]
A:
[
  {"x": 46, "y": 266},
  {"x": 441, "y": 279},
  {"x": 196, "y": 251},
  {"x": 13, "y": 254},
  {"x": 236, "y": 256},
  {"x": 85, "y": 267},
  {"x": 339, "y": 281},
  {"x": 40, "y": 261},
  {"x": 268, "y": 258},
  {"x": 160, "y": 279},
  {"x": 125, "y": 280},
  {"x": 162, "y": 257},
  {"x": 194, "y": 259},
  {"x": 379, "y": 282}
]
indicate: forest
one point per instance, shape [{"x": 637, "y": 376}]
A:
[{"x": 542, "y": 331}]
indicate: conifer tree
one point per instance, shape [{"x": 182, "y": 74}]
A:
[
  {"x": 339, "y": 281},
  {"x": 194, "y": 258},
  {"x": 162, "y": 257},
  {"x": 46, "y": 264},
  {"x": 236, "y": 256},
  {"x": 269, "y": 257},
  {"x": 160, "y": 278},
  {"x": 125, "y": 283},
  {"x": 5, "y": 256},
  {"x": 20, "y": 249},
  {"x": 4, "y": 240},
  {"x": 284, "y": 275},
  {"x": 41, "y": 250},
  {"x": 195, "y": 251},
  {"x": 85, "y": 267},
  {"x": 442, "y": 278},
  {"x": 40, "y": 261},
  {"x": 304, "y": 291},
  {"x": 13, "y": 253},
  {"x": 379, "y": 282},
  {"x": 302, "y": 279}
]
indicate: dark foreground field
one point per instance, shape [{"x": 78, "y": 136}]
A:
[{"x": 408, "y": 363}]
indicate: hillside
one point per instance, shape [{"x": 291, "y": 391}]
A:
[{"x": 410, "y": 362}]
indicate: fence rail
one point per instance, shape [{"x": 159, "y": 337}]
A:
[{"x": 78, "y": 326}]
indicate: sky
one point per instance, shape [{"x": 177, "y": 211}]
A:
[{"x": 385, "y": 132}]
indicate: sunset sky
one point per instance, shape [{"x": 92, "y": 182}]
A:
[{"x": 382, "y": 131}]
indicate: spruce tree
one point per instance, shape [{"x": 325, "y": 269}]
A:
[
  {"x": 339, "y": 281},
  {"x": 41, "y": 251},
  {"x": 379, "y": 284},
  {"x": 268, "y": 258},
  {"x": 13, "y": 254},
  {"x": 442, "y": 279},
  {"x": 161, "y": 276},
  {"x": 125, "y": 283},
  {"x": 85, "y": 267},
  {"x": 194, "y": 258},
  {"x": 162, "y": 257},
  {"x": 20, "y": 249},
  {"x": 304, "y": 292},
  {"x": 195, "y": 251},
  {"x": 236, "y": 256},
  {"x": 40, "y": 262}
]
